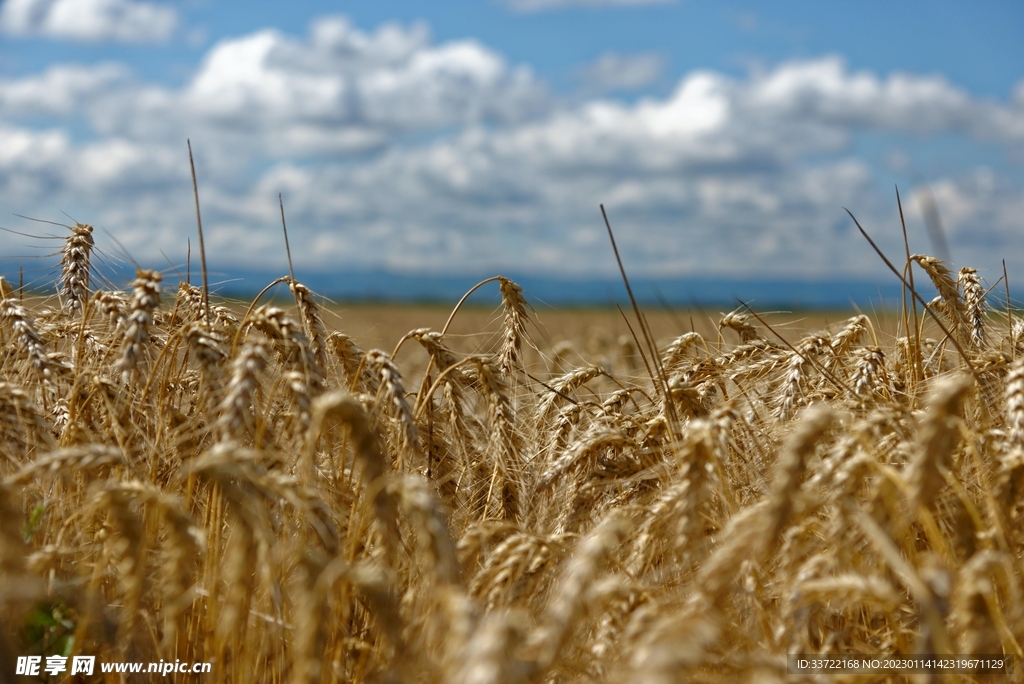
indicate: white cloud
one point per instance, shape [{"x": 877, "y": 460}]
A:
[
  {"x": 540, "y": 5},
  {"x": 89, "y": 20},
  {"x": 62, "y": 90},
  {"x": 49, "y": 161},
  {"x": 393, "y": 150},
  {"x": 392, "y": 79},
  {"x": 341, "y": 90},
  {"x": 613, "y": 71},
  {"x": 824, "y": 90},
  {"x": 491, "y": 204},
  {"x": 23, "y": 149}
]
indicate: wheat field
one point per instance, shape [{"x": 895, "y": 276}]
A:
[{"x": 500, "y": 497}]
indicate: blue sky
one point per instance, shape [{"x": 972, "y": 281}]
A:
[{"x": 478, "y": 137}]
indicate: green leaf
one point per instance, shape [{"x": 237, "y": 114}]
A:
[{"x": 35, "y": 521}]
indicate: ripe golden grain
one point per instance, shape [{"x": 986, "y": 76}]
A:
[{"x": 267, "y": 496}]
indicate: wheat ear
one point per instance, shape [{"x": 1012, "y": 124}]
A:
[
  {"x": 937, "y": 440},
  {"x": 505, "y": 488},
  {"x": 393, "y": 394},
  {"x": 516, "y": 317},
  {"x": 568, "y": 599},
  {"x": 75, "y": 268},
  {"x": 30, "y": 340},
  {"x": 309, "y": 311},
  {"x": 974, "y": 302},
  {"x": 235, "y": 410},
  {"x": 145, "y": 299}
]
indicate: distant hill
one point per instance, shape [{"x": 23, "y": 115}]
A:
[{"x": 381, "y": 285}]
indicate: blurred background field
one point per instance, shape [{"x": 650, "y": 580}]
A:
[
  {"x": 566, "y": 337},
  {"x": 593, "y": 332}
]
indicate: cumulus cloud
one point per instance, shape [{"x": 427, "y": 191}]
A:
[
  {"x": 337, "y": 91},
  {"x": 393, "y": 150},
  {"x": 487, "y": 202},
  {"x": 391, "y": 79},
  {"x": 48, "y": 164},
  {"x": 62, "y": 90},
  {"x": 824, "y": 90},
  {"x": 89, "y": 20}
]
